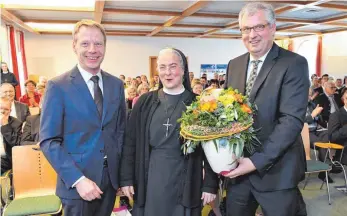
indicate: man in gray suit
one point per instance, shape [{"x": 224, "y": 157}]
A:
[
  {"x": 82, "y": 127},
  {"x": 18, "y": 110},
  {"x": 277, "y": 81}
]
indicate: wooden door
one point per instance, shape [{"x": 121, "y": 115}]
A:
[{"x": 152, "y": 66}]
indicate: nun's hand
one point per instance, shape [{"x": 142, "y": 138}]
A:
[{"x": 207, "y": 197}]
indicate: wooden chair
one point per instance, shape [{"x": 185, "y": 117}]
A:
[
  {"x": 314, "y": 166},
  {"x": 34, "y": 183}
]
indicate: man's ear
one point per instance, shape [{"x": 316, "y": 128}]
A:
[{"x": 74, "y": 46}]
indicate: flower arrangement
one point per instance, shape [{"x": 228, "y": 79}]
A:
[{"x": 222, "y": 118}]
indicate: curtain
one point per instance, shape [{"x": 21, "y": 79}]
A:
[
  {"x": 319, "y": 56},
  {"x": 14, "y": 59},
  {"x": 22, "y": 50}
]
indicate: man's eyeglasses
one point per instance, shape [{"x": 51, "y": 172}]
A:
[
  {"x": 257, "y": 28},
  {"x": 333, "y": 87},
  {"x": 171, "y": 67}
]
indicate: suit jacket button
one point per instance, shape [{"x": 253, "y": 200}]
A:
[
  {"x": 102, "y": 151},
  {"x": 102, "y": 128}
]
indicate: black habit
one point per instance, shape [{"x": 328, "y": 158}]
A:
[{"x": 136, "y": 155}]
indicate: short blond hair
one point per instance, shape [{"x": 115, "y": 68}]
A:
[{"x": 88, "y": 23}]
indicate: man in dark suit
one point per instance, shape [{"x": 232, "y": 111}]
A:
[
  {"x": 319, "y": 90},
  {"x": 82, "y": 127},
  {"x": 31, "y": 130},
  {"x": 329, "y": 100},
  {"x": 277, "y": 82},
  {"x": 10, "y": 134},
  {"x": 338, "y": 128},
  {"x": 18, "y": 110}
]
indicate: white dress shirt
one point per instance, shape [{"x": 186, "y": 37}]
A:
[
  {"x": 86, "y": 77},
  {"x": 250, "y": 66}
]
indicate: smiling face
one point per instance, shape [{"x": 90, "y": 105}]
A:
[
  {"x": 170, "y": 70},
  {"x": 89, "y": 46},
  {"x": 258, "y": 42}
]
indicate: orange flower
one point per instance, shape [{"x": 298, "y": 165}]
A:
[
  {"x": 245, "y": 108},
  {"x": 238, "y": 98},
  {"x": 213, "y": 106}
]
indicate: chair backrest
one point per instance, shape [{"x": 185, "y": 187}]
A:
[
  {"x": 305, "y": 134},
  {"x": 32, "y": 173}
]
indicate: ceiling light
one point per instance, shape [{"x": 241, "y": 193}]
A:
[{"x": 51, "y": 27}]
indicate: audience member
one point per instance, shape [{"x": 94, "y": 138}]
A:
[
  {"x": 7, "y": 76},
  {"x": 31, "y": 98},
  {"x": 203, "y": 82},
  {"x": 197, "y": 88},
  {"x": 122, "y": 77},
  {"x": 329, "y": 101},
  {"x": 142, "y": 89},
  {"x": 131, "y": 91},
  {"x": 10, "y": 134},
  {"x": 191, "y": 76},
  {"x": 18, "y": 110},
  {"x": 43, "y": 80},
  {"x": 324, "y": 79},
  {"x": 40, "y": 88},
  {"x": 31, "y": 129},
  {"x": 338, "y": 128}
]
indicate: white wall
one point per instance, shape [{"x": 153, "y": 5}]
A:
[
  {"x": 51, "y": 55},
  {"x": 334, "y": 54},
  {"x": 4, "y": 45}
]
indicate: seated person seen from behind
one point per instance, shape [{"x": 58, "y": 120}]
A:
[
  {"x": 317, "y": 133},
  {"x": 10, "y": 134},
  {"x": 31, "y": 129},
  {"x": 338, "y": 128}
]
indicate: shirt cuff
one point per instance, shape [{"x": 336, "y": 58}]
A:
[{"x": 83, "y": 177}]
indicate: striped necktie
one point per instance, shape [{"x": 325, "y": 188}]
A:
[{"x": 252, "y": 77}]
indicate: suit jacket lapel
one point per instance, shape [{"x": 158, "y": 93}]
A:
[
  {"x": 106, "y": 82},
  {"x": 237, "y": 74},
  {"x": 264, "y": 71},
  {"x": 83, "y": 91}
]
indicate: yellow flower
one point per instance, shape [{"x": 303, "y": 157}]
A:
[{"x": 226, "y": 99}]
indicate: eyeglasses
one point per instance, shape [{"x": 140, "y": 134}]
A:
[
  {"x": 8, "y": 92},
  {"x": 332, "y": 87},
  {"x": 257, "y": 28},
  {"x": 171, "y": 67}
]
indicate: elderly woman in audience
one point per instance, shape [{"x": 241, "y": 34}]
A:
[
  {"x": 144, "y": 79},
  {"x": 131, "y": 92},
  {"x": 31, "y": 98},
  {"x": 142, "y": 89},
  {"x": 338, "y": 128},
  {"x": 197, "y": 88},
  {"x": 40, "y": 88}
]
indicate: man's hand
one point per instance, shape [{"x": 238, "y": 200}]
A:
[
  {"x": 4, "y": 119},
  {"x": 316, "y": 111},
  {"x": 88, "y": 190},
  {"x": 128, "y": 191},
  {"x": 245, "y": 166},
  {"x": 207, "y": 197}
]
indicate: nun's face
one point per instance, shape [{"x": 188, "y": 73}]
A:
[{"x": 170, "y": 71}]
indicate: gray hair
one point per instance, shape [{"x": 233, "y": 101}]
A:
[
  {"x": 142, "y": 86},
  {"x": 251, "y": 8},
  {"x": 329, "y": 83},
  {"x": 168, "y": 49}
]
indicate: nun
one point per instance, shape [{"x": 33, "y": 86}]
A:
[{"x": 153, "y": 170}]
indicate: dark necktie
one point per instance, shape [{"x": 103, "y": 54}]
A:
[
  {"x": 98, "y": 99},
  {"x": 252, "y": 77}
]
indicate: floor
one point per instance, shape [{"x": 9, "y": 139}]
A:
[{"x": 317, "y": 200}]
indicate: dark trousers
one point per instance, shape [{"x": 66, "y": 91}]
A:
[
  {"x": 243, "y": 200},
  {"x": 97, "y": 207},
  {"x": 6, "y": 164},
  {"x": 319, "y": 136}
]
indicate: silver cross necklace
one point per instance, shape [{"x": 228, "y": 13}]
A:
[{"x": 167, "y": 124}]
